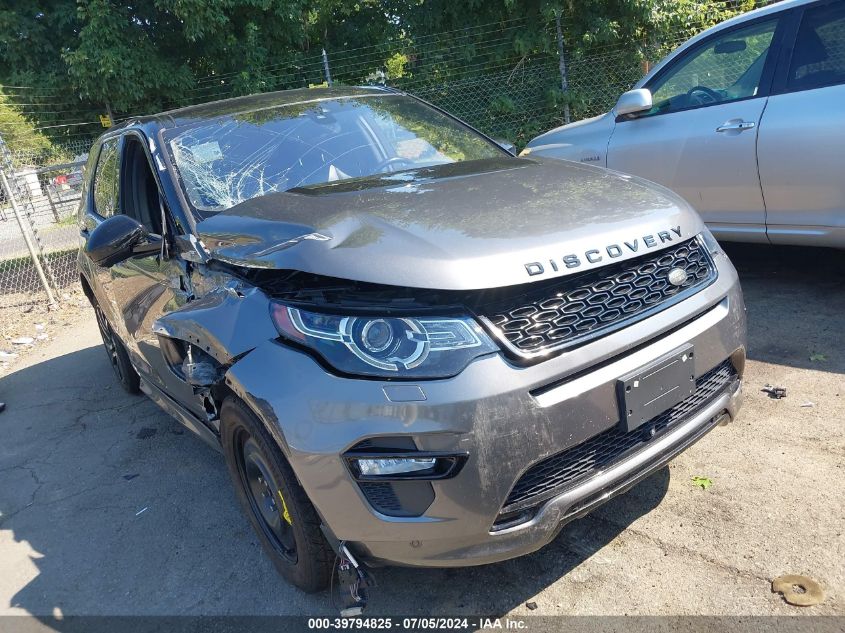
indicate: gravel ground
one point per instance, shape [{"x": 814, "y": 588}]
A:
[{"x": 108, "y": 507}]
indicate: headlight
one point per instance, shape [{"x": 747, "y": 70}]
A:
[
  {"x": 392, "y": 347},
  {"x": 710, "y": 242}
]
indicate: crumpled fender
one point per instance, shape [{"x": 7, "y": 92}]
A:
[{"x": 225, "y": 323}]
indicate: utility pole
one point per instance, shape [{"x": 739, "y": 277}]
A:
[
  {"x": 564, "y": 80},
  {"x": 109, "y": 112}
]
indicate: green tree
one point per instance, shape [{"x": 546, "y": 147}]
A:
[
  {"x": 493, "y": 62},
  {"x": 18, "y": 133}
]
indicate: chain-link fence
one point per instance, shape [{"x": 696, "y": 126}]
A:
[{"x": 39, "y": 197}]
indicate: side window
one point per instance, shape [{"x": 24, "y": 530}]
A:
[
  {"x": 727, "y": 68},
  {"x": 106, "y": 180},
  {"x": 818, "y": 58},
  {"x": 140, "y": 195}
]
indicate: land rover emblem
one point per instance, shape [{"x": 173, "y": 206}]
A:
[{"x": 677, "y": 276}]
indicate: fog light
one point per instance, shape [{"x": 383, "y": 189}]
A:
[
  {"x": 380, "y": 465},
  {"x": 394, "y": 465}
]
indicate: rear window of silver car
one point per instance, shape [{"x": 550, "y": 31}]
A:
[{"x": 228, "y": 160}]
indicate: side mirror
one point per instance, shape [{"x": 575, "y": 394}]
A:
[
  {"x": 509, "y": 147},
  {"x": 115, "y": 239},
  {"x": 633, "y": 101}
]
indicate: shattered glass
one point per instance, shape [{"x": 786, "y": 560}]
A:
[{"x": 231, "y": 159}]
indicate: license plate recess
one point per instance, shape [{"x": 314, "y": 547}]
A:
[{"x": 660, "y": 385}]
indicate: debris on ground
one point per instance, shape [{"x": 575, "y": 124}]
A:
[
  {"x": 808, "y": 404},
  {"x": 130, "y": 477},
  {"x": 702, "y": 482},
  {"x": 2, "y": 407},
  {"x": 531, "y": 605},
  {"x": 799, "y": 591},
  {"x": 142, "y": 510},
  {"x": 775, "y": 393},
  {"x": 34, "y": 323},
  {"x": 817, "y": 358}
]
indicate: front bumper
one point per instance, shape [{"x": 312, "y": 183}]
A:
[{"x": 505, "y": 417}]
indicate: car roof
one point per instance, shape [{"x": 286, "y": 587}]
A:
[
  {"x": 777, "y": 7},
  {"x": 250, "y": 103}
]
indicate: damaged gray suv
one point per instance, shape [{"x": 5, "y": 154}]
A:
[{"x": 411, "y": 346}]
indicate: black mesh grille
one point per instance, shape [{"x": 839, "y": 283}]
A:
[
  {"x": 551, "y": 476},
  {"x": 558, "y": 313},
  {"x": 382, "y": 497}
]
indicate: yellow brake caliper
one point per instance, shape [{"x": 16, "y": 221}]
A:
[{"x": 285, "y": 512}]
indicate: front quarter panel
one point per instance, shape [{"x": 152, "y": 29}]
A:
[{"x": 584, "y": 141}]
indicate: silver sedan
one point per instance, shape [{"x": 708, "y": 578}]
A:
[{"x": 746, "y": 121}]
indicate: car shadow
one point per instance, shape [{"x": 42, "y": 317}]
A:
[
  {"x": 796, "y": 304},
  {"x": 115, "y": 509},
  {"x": 494, "y": 590}
]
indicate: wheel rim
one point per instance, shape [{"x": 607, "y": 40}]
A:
[
  {"x": 265, "y": 498},
  {"x": 108, "y": 342}
]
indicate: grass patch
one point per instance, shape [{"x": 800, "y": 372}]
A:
[{"x": 17, "y": 263}]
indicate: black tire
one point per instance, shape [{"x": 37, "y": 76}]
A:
[
  {"x": 288, "y": 531},
  {"x": 118, "y": 356}
]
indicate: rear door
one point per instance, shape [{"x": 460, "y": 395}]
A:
[
  {"x": 700, "y": 137},
  {"x": 802, "y": 135}
]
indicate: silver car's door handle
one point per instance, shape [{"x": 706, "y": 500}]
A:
[{"x": 736, "y": 125}]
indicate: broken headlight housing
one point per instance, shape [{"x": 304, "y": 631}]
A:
[{"x": 387, "y": 347}]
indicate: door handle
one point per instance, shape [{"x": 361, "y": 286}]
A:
[{"x": 736, "y": 125}]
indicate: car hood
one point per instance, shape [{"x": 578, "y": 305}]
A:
[{"x": 460, "y": 226}]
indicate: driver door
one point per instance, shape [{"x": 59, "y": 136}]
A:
[
  {"x": 700, "y": 137},
  {"x": 145, "y": 287}
]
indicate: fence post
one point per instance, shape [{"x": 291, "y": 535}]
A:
[
  {"x": 326, "y": 68},
  {"x": 564, "y": 79},
  {"x": 32, "y": 253},
  {"x": 52, "y": 204}
]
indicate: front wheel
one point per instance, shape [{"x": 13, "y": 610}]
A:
[{"x": 278, "y": 508}]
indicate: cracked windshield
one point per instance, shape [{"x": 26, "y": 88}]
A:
[{"x": 226, "y": 161}]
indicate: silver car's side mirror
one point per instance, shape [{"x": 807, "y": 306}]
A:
[{"x": 633, "y": 101}]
